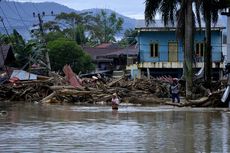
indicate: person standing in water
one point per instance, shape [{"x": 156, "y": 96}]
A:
[
  {"x": 174, "y": 88},
  {"x": 115, "y": 101}
]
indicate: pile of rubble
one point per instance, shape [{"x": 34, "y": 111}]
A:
[
  {"x": 71, "y": 88},
  {"x": 96, "y": 89}
]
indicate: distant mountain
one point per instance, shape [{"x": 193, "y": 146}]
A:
[{"x": 19, "y": 15}]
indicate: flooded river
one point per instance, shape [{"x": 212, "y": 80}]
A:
[{"x": 65, "y": 128}]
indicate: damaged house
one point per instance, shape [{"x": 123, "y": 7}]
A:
[
  {"x": 162, "y": 53},
  {"x": 6, "y": 56}
]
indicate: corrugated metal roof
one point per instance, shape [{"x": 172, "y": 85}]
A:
[
  {"x": 108, "y": 45},
  {"x": 95, "y": 52},
  {"x": 131, "y": 51},
  {"x": 23, "y": 75},
  {"x": 159, "y": 24},
  {"x": 103, "y": 52}
]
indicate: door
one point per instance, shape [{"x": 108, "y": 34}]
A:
[{"x": 173, "y": 51}]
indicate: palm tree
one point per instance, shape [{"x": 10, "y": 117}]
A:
[
  {"x": 209, "y": 9},
  {"x": 189, "y": 40},
  {"x": 210, "y": 15},
  {"x": 182, "y": 9}
]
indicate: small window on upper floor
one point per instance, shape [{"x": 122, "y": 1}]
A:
[
  {"x": 154, "y": 50},
  {"x": 200, "y": 47}
]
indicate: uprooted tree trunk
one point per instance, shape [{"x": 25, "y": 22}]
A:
[{"x": 213, "y": 100}]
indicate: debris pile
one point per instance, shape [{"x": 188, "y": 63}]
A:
[
  {"x": 24, "y": 86},
  {"x": 97, "y": 89}
]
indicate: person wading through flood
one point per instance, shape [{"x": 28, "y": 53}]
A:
[
  {"x": 174, "y": 89},
  {"x": 115, "y": 101}
]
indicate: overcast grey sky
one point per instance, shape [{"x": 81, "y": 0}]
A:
[{"x": 130, "y": 8}]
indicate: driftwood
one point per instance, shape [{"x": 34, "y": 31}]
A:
[
  {"x": 48, "y": 97},
  {"x": 74, "y": 92},
  {"x": 61, "y": 87},
  {"x": 202, "y": 102},
  {"x": 115, "y": 81},
  {"x": 139, "y": 91},
  {"x": 193, "y": 103}
]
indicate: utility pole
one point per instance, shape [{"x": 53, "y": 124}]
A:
[
  {"x": 40, "y": 24},
  {"x": 74, "y": 33}
]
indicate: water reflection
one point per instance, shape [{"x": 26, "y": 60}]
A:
[{"x": 50, "y": 128}]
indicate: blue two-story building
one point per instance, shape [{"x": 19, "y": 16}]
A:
[{"x": 162, "y": 53}]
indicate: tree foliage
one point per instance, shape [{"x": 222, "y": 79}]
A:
[
  {"x": 63, "y": 51},
  {"x": 75, "y": 25},
  {"x": 51, "y": 36},
  {"x": 105, "y": 27},
  {"x": 209, "y": 9},
  {"x": 22, "y": 50},
  {"x": 51, "y": 26},
  {"x": 129, "y": 38},
  {"x": 180, "y": 11}
]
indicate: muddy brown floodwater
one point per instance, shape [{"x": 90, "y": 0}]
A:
[{"x": 68, "y": 128}]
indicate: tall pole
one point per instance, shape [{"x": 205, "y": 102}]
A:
[
  {"x": 42, "y": 34},
  {"x": 74, "y": 33},
  {"x": 189, "y": 49}
]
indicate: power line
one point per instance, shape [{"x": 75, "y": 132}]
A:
[
  {"x": 17, "y": 13},
  {"x": 35, "y": 6},
  {"x": 17, "y": 19},
  {"x": 20, "y": 16},
  {"x": 8, "y": 5},
  {"x": 40, "y": 24},
  {"x": 1, "y": 19},
  {"x": 5, "y": 17},
  {"x": 22, "y": 8}
]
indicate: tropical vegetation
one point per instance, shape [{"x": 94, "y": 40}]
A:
[{"x": 63, "y": 38}]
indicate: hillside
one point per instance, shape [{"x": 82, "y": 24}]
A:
[{"x": 19, "y": 15}]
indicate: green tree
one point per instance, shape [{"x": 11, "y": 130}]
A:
[
  {"x": 209, "y": 9},
  {"x": 51, "y": 26},
  {"x": 4, "y": 39},
  {"x": 75, "y": 25},
  {"x": 54, "y": 35},
  {"x": 63, "y": 51},
  {"x": 129, "y": 37},
  {"x": 80, "y": 37},
  {"x": 104, "y": 27},
  {"x": 22, "y": 50}
]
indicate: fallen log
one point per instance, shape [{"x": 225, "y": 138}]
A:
[
  {"x": 74, "y": 92},
  {"x": 193, "y": 103},
  {"x": 61, "y": 87},
  {"x": 114, "y": 82},
  {"x": 202, "y": 102},
  {"x": 46, "y": 99},
  {"x": 35, "y": 81}
]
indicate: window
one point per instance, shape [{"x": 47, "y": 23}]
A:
[
  {"x": 200, "y": 47},
  {"x": 154, "y": 50}
]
